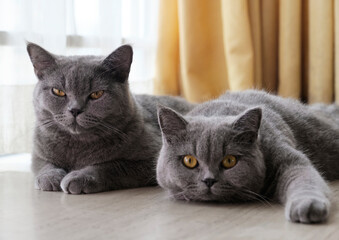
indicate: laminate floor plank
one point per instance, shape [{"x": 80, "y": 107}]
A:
[{"x": 143, "y": 213}]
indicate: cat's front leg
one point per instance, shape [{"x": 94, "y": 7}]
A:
[
  {"x": 49, "y": 178},
  {"x": 109, "y": 176},
  {"x": 304, "y": 192}
]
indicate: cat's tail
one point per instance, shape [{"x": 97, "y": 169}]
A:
[{"x": 328, "y": 110}]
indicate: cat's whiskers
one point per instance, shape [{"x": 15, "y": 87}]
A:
[
  {"x": 46, "y": 124},
  {"x": 121, "y": 134},
  {"x": 102, "y": 126},
  {"x": 181, "y": 195},
  {"x": 257, "y": 196},
  {"x": 190, "y": 186},
  {"x": 151, "y": 179},
  {"x": 226, "y": 189},
  {"x": 193, "y": 191},
  {"x": 88, "y": 121},
  {"x": 60, "y": 118},
  {"x": 250, "y": 196}
]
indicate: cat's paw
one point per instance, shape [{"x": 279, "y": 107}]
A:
[
  {"x": 77, "y": 182},
  {"x": 49, "y": 180},
  {"x": 307, "y": 209}
]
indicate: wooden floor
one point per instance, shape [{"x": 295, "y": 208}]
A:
[{"x": 144, "y": 213}]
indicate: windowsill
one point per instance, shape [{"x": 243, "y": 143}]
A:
[{"x": 15, "y": 163}]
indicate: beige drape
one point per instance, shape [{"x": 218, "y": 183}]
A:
[{"x": 289, "y": 47}]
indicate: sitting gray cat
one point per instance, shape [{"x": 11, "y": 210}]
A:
[
  {"x": 91, "y": 133},
  {"x": 251, "y": 145}
]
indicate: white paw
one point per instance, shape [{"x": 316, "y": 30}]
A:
[
  {"x": 308, "y": 209},
  {"x": 50, "y": 180},
  {"x": 77, "y": 182}
]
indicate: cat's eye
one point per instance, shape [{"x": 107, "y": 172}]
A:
[
  {"x": 190, "y": 161},
  {"x": 96, "y": 95},
  {"x": 229, "y": 161},
  {"x": 58, "y": 92}
]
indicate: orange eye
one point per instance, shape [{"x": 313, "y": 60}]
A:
[
  {"x": 229, "y": 161},
  {"x": 96, "y": 95},
  {"x": 58, "y": 92},
  {"x": 190, "y": 161}
]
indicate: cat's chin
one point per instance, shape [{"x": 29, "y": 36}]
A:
[
  {"x": 76, "y": 132},
  {"x": 76, "y": 129},
  {"x": 206, "y": 196}
]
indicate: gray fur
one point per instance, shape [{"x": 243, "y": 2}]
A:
[
  {"x": 113, "y": 143},
  {"x": 285, "y": 150}
]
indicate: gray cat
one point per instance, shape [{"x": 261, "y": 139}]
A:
[
  {"x": 91, "y": 133},
  {"x": 252, "y": 146}
]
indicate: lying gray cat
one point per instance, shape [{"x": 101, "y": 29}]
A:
[
  {"x": 251, "y": 145},
  {"x": 91, "y": 133}
]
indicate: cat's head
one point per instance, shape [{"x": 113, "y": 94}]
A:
[
  {"x": 81, "y": 94},
  {"x": 211, "y": 159}
]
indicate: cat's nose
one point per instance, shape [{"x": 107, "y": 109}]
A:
[
  {"x": 75, "y": 111},
  {"x": 209, "y": 181}
]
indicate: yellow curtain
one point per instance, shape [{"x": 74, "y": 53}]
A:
[{"x": 288, "y": 47}]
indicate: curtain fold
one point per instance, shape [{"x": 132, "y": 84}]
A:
[
  {"x": 321, "y": 50},
  {"x": 287, "y": 47},
  {"x": 238, "y": 44},
  {"x": 254, "y": 15},
  {"x": 202, "y": 61},
  {"x": 167, "y": 64},
  {"x": 336, "y": 65},
  {"x": 269, "y": 23}
]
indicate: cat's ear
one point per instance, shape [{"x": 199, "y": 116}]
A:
[
  {"x": 42, "y": 60},
  {"x": 248, "y": 124},
  {"x": 171, "y": 123},
  {"x": 118, "y": 63}
]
